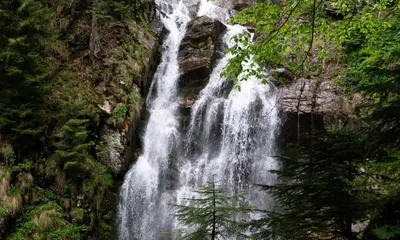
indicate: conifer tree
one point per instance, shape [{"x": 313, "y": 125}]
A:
[
  {"x": 315, "y": 197},
  {"x": 210, "y": 215},
  {"x": 72, "y": 149},
  {"x": 25, "y": 31}
]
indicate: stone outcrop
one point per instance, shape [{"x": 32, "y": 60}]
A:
[
  {"x": 314, "y": 103},
  {"x": 197, "y": 54},
  {"x": 313, "y": 95}
]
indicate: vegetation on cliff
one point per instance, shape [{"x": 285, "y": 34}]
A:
[{"x": 60, "y": 61}]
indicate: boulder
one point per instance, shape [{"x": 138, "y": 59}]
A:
[{"x": 197, "y": 54}]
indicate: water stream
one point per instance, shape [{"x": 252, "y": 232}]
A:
[{"x": 230, "y": 138}]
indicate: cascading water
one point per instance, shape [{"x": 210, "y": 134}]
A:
[
  {"x": 141, "y": 210},
  {"x": 231, "y": 135},
  {"x": 230, "y": 138}
]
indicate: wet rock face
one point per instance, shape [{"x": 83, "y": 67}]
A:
[
  {"x": 120, "y": 144},
  {"x": 197, "y": 54},
  {"x": 193, "y": 7}
]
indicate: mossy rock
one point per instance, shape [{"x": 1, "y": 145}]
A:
[{"x": 78, "y": 215}]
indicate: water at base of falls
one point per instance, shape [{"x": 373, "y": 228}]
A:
[{"x": 230, "y": 138}]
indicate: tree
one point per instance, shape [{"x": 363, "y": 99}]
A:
[
  {"x": 210, "y": 215},
  {"x": 373, "y": 70},
  {"x": 25, "y": 31},
  {"x": 72, "y": 150},
  {"x": 315, "y": 196},
  {"x": 357, "y": 44},
  {"x": 305, "y": 36}
]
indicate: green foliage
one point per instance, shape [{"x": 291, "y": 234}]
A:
[
  {"x": 374, "y": 62},
  {"x": 11, "y": 156},
  {"x": 77, "y": 215},
  {"x": 24, "y": 25},
  {"x": 51, "y": 195},
  {"x": 117, "y": 11},
  {"x": 72, "y": 144},
  {"x": 75, "y": 170},
  {"x": 341, "y": 178},
  {"x": 373, "y": 71},
  {"x": 211, "y": 214},
  {"x": 74, "y": 99},
  {"x": 3, "y": 213},
  {"x": 25, "y": 166},
  {"x": 45, "y": 222},
  {"x": 119, "y": 113},
  {"x": 300, "y": 35},
  {"x": 134, "y": 97},
  {"x": 283, "y": 37},
  {"x": 72, "y": 156},
  {"x": 387, "y": 232},
  {"x": 13, "y": 191},
  {"x": 314, "y": 196},
  {"x": 49, "y": 112}
]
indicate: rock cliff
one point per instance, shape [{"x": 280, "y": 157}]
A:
[
  {"x": 313, "y": 103},
  {"x": 120, "y": 136}
]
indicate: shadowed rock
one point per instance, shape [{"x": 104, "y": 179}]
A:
[{"x": 241, "y": 4}]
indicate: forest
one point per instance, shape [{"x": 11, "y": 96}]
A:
[
  {"x": 61, "y": 61},
  {"x": 52, "y": 58}
]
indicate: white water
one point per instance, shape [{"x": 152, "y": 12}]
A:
[{"x": 230, "y": 138}]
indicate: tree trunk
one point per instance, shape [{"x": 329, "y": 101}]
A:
[
  {"x": 94, "y": 44},
  {"x": 213, "y": 232},
  {"x": 347, "y": 231}
]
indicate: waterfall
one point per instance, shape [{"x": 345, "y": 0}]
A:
[
  {"x": 142, "y": 211},
  {"x": 231, "y": 135},
  {"x": 230, "y": 138}
]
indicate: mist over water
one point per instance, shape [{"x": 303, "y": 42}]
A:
[{"x": 230, "y": 138}]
